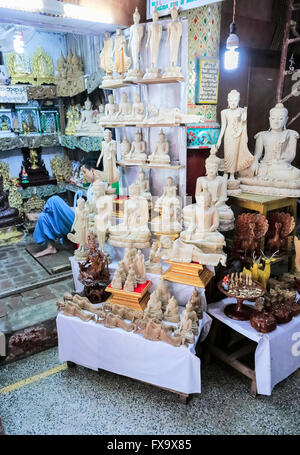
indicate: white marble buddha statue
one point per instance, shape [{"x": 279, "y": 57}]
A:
[
  {"x": 137, "y": 154},
  {"x": 169, "y": 220},
  {"x": 104, "y": 207},
  {"x": 159, "y": 202},
  {"x": 202, "y": 231},
  {"x": 125, "y": 108},
  {"x": 106, "y": 55},
  {"x": 122, "y": 60},
  {"x": 110, "y": 111},
  {"x": 134, "y": 229},
  {"x": 173, "y": 40},
  {"x": 161, "y": 152},
  {"x": 216, "y": 185},
  {"x": 125, "y": 148},
  {"x": 185, "y": 328},
  {"x": 87, "y": 125},
  {"x": 91, "y": 203},
  {"x": 140, "y": 267},
  {"x": 153, "y": 41},
  {"x": 108, "y": 155},
  {"x": 138, "y": 109},
  {"x": 144, "y": 185},
  {"x": 135, "y": 39},
  {"x": 272, "y": 172}
]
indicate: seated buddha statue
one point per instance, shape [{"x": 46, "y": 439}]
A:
[
  {"x": 161, "y": 152},
  {"x": 144, "y": 185},
  {"x": 137, "y": 154},
  {"x": 169, "y": 221},
  {"x": 124, "y": 109},
  {"x": 134, "y": 229},
  {"x": 216, "y": 185},
  {"x": 9, "y": 216},
  {"x": 272, "y": 172},
  {"x": 202, "y": 231},
  {"x": 87, "y": 125}
]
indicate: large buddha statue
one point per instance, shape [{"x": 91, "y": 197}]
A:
[
  {"x": 9, "y": 216},
  {"x": 134, "y": 229},
  {"x": 216, "y": 185},
  {"x": 161, "y": 152},
  {"x": 271, "y": 172},
  {"x": 202, "y": 231}
]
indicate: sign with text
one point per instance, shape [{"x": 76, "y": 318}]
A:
[
  {"x": 208, "y": 81},
  {"x": 164, "y": 6},
  {"x": 13, "y": 94}
]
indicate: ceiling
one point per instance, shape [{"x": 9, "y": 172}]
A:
[{"x": 55, "y": 24}]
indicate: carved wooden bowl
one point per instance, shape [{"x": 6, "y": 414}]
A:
[
  {"x": 239, "y": 311},
  {"x": 263, "y": 321}
]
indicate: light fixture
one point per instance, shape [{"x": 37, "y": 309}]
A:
[
  {"x": 19, "y": 43},
  {"x": 231, "y": 58}
]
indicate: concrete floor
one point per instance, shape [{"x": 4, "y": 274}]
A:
[{"x": 79, "y": 401}]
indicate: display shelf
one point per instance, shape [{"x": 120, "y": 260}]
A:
[
  {"x": 142, "y": 125},
  {"x": 29, "y": 141},
  {"x": 159, "y": 80},
  {"x": 151, "y": 166},
  {"x": 115, "y": 85},
  {"x": 85, "y": 143}
]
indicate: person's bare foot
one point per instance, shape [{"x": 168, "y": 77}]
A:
[{"x": 49, "y": 250}]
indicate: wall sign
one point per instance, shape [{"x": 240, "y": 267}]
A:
[
  {"x": 207, "y": 92},
  {"x": 164, "y": 6},
  {"x": 13, "y": 94}
]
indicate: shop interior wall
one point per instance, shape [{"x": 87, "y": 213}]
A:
[{"x": 260, "y": 29}]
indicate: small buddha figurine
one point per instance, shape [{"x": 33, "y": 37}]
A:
[
  {"x": 153, "y": 265},
  {"x": 137, "y": 152},
  {"x": 87, "y": 124},
  {"x": 163, "y": 293},
  {"x": 121, "y": 269},
  {"x": 161, "y": 152},
  {"x": 138, "y": 109},
  {"x": 80, "y": 226},
  {"x": 140, "y": 267},
  {"x": 122, "y": 60},
  {"x": 173, "y": 39},
  {"x": 124, "y": 108},
  {"x": 197, "y": 305},
  {"x": 4, "y": 127},
  {"x": 185, "y": 328},
  {"x": 144, "y": 186},
  {"x": 116, "y": 281},
  {"x": 202, "y": 231},
  {"x": 169, "y": 220},
  {"x": 172, "y": 312},
  {"x": 272, "y": 172},
  {"x": 33, "y": 158},
  {"x": 125, "y": 147},
  {"x": 106, "y": 55},
  {"x": 104, "y": 207},
  {"x": 9, "y": 216},
  {"x": 192, "y": 315},
  {"x": 160, "y": 201},
  {"x": 108, "y": 155},
  {"x": 135, "y": 39},
  {"x": 131, "y": 281},
  {"x": 110, "y": 111},
  {"x": 153, "y": 309},
  {"x": 153, "y": 41},
  {"x": 216, "y": 185}
]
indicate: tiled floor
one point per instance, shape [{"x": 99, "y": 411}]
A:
[{"x": 82, "y": 401}]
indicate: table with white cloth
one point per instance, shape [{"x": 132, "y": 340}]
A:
[
  {"x": 277, "y": 354},
  {"x": 129, "y": 354}
]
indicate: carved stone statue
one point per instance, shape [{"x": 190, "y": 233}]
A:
[
  {"x": 135, "y": 39},
  {"x": 138, "y": 109},
  {"x": 166, "y": 116},
  {"x": 124, "y": 108},
  {"x": 216, "y": 185},
  {"x": 144, "y": 185},
  {"x": 140, "y": 268},
  {"x": 198, "y": 304},
  {"x": 106, "y": 54},
  {"x": 153, "y": 265},
  {"x": 163, "y": 292},
  {"x": 192, "y": 315},
  {"x": 161, "y": 152},
  {"x": 80, "y": 226},
  {"x": 160, "y": 201},
  {"x": 172, "y": 312},
  {"x": 134, "y": 229},
  {"x": 87, "y": 125},
  {"x": 122, "y": 272},
  {"x": 234, "y": 129},
  {"x": 104, "y": 206},
  {"x": 153, "y": 309},
  {"x": 137, "y": 154},
  {"x": 185, "y": 328},
  {"x": 131, "y": 281},
  {"x": 110, "y": 173},
  {"x": 110, "y": 111},
  {"x": 116, "y": 281},
  {"x": 169, "y": 220},
  {"x": 271, "y": 172},
  {"x": 125, "y": 147},
  {"x": 122, "y": 61},
  {"x": 173, "y": 39},
  {"x": 153, "y": 38}
]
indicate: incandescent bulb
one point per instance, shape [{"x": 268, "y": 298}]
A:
[{"x": 231, "y": 59}]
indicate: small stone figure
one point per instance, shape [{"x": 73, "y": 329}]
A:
[
  {"x": 131, "y": 282},
  {"x": 185, "y": 328},
  {"x": 116, "y": 281},
  {"x": 198, "y": 304},
  {"x": 153, "y": 265},
  {"x": 154, "y": 37},
  {"x": 112, "y": 320},
  {"x": 125, "y": 147},
  {"x": 173, "y": 38},
  {"x": 138, "y": 109},
  {"x": 125, "y": 108},
  {"x": 135, "y": 39},
  {"x": 192, "y": 315},
  {"x": 140, "y": 268},
  {"x": 161, "y": 152},
  {"x": 80, "y": 226},
  {"x": 137, "y": 154},
  {"x": 122, "y": 61},
  {"x": 154, "y": 309},
  {"x": 110, "y": 173},
  {"x": 143, "y": 183},
  {"x": 122, "y": 272},
  {"x": 172, "y": 312},
  {"x": 106, "y": 56},
  {"x": 163, "y": 293}
]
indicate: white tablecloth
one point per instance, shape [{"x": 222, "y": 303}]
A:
[
  {"x": 126, "y": 353},
  {"x": 277, "y": 354}
]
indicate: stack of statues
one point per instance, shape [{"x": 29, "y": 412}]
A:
[{"x": 131, "y": 270}]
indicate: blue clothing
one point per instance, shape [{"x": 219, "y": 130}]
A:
[{"x": 54, "y": 222}]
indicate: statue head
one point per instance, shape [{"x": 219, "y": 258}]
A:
[
  {"x": 161, "y": 136},
  {"x": 212, "y": 163},
  {"x": 142, "y": 175},
  {"x": 233, "y": 99},
  {"x": 137, "y": 98},
  {"x": 155, "y": 14},
  {"x": 111, "y": 98},
  {"x": 278, "y": 117},
  {"x": 124, "y": 97},
  {"x": 136, "y": 16},
  {"x": 174, "y": 13},
  {"x": 138, "y": 136},
  {"x": 107, "y": 135},
  {"x": 99, "y": 188},
  {"x": 101, "y": 108},
  {"x": 134, "y": 190},
  {"x": 88, "y": 104},
  {"x": 107, "y": 35},
  {"x": 170, "y": 181}
]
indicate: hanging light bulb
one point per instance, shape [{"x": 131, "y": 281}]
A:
[
  {"x": 19, "y": 43},
  {"x": 231, "y": 58}
]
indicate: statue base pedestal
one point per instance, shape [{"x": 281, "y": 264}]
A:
[
  {"x": 173, "y": 71},
  {"x": 270, "y": 191},
  {"x": 136, "y": 300},
  {"x": 233, "y": 187},
  {"x": 153, "y": 73},
  {"x": 191, "y": 274},
  {"x": 173, "y": 235},
  {"x": 10, "y": 235},
  {"x": 134, "y": 74}
]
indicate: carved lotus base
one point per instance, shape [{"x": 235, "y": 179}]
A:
[
  {"x": 136, "y": 300},
  {"x": 269, "y": 190},
  {"x": 191, "y": 274}
]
